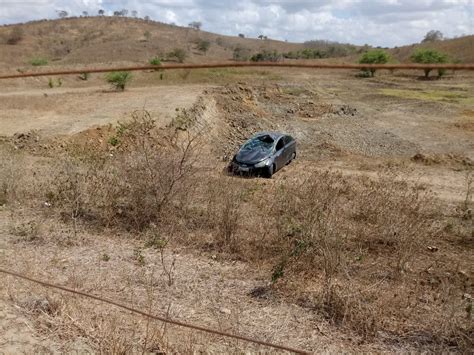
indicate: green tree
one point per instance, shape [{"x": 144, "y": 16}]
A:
[
  {"x": 375, "y": 56},
  {"x": 429, "y": 56},
  {"x": 118, "y": 79}
]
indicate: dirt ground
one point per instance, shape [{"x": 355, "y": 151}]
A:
[{"x": 362, "y": 127}]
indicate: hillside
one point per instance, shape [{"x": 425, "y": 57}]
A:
[
  {"x": 107, "y": 39},
  {"x": 102, "y": 40},
  {"x": 459, "y": 49}
]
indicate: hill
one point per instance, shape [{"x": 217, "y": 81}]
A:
[
  {"x": 114, "y": 39},
  {"x": 102, "y": 40},
  {"x": 459, "y": 49}
]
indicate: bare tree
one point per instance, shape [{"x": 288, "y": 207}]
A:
[
  {"x": 147, "y": 18},
  {"x": 195, "y": 25},
  {"x": 134, "y": 13}
]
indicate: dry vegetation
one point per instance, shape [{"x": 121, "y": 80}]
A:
[
  {"x": 346, "y": 248},
  {"x": 360, "y": 252}
]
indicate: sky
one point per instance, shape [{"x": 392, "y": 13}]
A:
[{"x": 385, "y": 23}]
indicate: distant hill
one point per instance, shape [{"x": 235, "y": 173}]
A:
[
  {"x": 459, "y": 49},
  {"x": 117, "y": 39},
  {"x": 103, "y": 40}
]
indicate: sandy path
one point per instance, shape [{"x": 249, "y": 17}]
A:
[{"x": 71, "y": 110}]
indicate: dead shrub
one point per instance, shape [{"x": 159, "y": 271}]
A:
[
  {"x": 68, "y": 190},
  {"x": 334, "y": 228},
  {"x": 137, "y": 180},
  {"x": 224, "y": 212}
]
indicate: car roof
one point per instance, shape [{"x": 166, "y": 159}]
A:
[{"x": 274, "y": 135}]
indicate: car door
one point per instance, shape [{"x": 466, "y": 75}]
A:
[
  {"x": 280, "y": 159},
  {"x": 290, "y": 148}
]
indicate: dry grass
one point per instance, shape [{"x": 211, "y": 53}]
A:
[{"x": 362, "y": 253}]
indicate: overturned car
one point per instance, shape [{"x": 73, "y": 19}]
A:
[{"x": 264, "y": 154}]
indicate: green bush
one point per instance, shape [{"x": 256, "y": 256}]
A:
[
  {"x": 155, "y": 61},
  {"x": 119, "y": 79},
  {"x": 375, "y": 56},
  {"x": 307, "y": 53},
  {"x": 266, "y": 56},
  {"x": 429, "y": 56},
  {"x": 38, "y": 61}
]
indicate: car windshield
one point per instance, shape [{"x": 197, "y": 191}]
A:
[{"x": 264, "y": 143}]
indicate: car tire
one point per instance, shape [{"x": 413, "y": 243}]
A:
[
  {"x": 269, "y": 171},
  {"x": 293, "y": 157}
]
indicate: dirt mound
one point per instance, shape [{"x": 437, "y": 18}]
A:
[{"x": 246, "y": 109}]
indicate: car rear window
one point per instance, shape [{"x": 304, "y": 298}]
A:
[{"x": 261, "y": 142}]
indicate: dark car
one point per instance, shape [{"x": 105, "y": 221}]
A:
[{"x": 264, "y": 154}]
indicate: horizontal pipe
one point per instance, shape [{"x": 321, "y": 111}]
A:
[{"x": 246, "y": 65}]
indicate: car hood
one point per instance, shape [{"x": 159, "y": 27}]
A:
[{"x": 251, "y": 156}]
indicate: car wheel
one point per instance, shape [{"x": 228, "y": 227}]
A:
[
  {"x": 293, "y": 157},
  {"x": 269, "y": 171}
]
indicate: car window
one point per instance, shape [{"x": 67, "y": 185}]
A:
[
  {"x": 264, "y": 143},
  {"x": 280, "y": 144}
]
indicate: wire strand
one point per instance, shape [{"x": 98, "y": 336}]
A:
[
  {"x": 162, "y": 319},
  {"x": 246, "y": 65}
]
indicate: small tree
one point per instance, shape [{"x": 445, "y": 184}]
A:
[
  {"x": 261, "y": 37},
  {"x": 178, "y": 53},
  {"x": 195, "y": 25},
  {"x": 375, "y": 56},
  {"x": 429, "y": 56},
  {"x": 147, "y": 18},
  {"x": 101, "y": 12},
  {"x": 119, "y": 79},
  {"x": 432, "y": 36},
  {"x": 85, "y": 13},
  {"x": 241, "y": 35},
  {"x": 134, "y": 13},
  {"x": 203, "y": 45}
]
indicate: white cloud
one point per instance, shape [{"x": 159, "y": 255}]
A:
[{"x": 377, "y": 22}]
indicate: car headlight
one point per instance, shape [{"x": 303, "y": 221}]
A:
[{"x": 262, "y": 163}]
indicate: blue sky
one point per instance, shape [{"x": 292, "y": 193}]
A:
[{"x": 376, "y": 22}]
